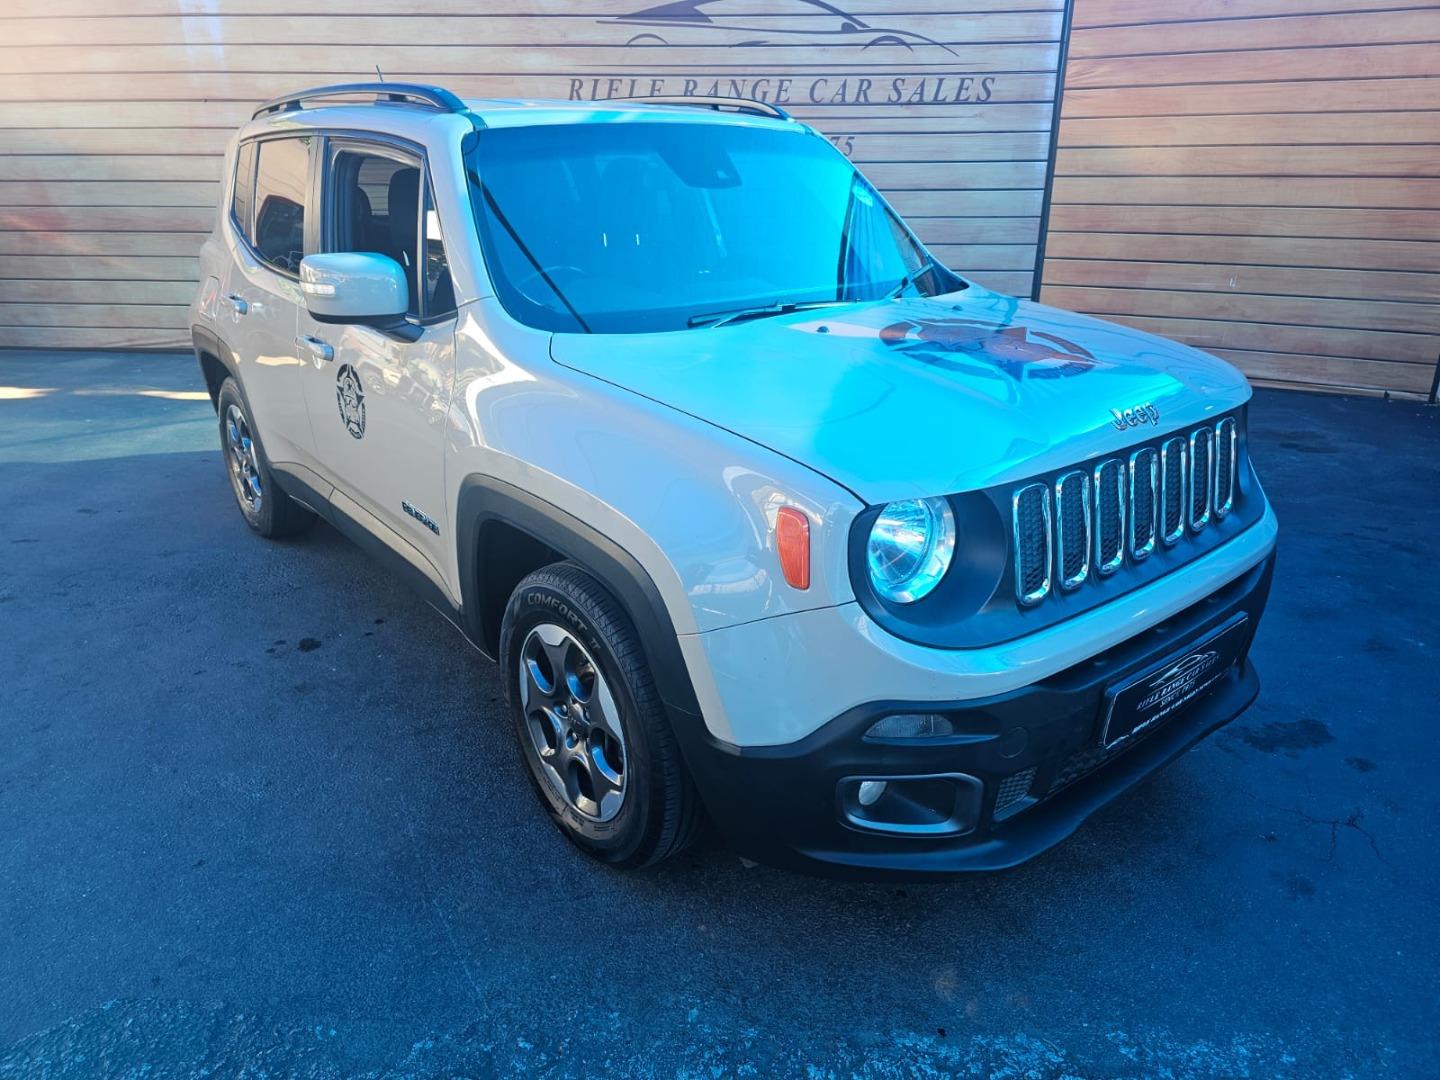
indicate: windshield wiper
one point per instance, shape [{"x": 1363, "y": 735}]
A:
[
  {"x": 724, "y": 318},
  {"x": 908, "y": 280}
]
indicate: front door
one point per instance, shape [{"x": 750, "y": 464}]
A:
[{"x": 377, "y": 398}]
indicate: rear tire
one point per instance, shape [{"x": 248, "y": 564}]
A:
[
  {"x": 262, "y": 502},
  {"x": 594, "y": 734}
]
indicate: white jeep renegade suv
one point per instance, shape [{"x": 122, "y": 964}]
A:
[{"x": 761, "y": 510}]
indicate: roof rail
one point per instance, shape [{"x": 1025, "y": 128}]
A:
[
  {"x": 414, "y": 93},
  {"x": 738, "y": 104}
]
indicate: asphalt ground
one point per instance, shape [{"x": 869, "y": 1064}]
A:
[{"x": 261, "y": 814}]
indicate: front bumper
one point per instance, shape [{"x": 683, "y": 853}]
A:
[{"x": 1036, "y": 751}]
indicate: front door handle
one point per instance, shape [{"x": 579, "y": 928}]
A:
[
  {"x": 321, "y": 350},
  {"x": 238, "y": 302}
]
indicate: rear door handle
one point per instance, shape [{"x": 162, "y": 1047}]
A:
[
  {"x": 238, "y": 302},
  {"x": 321, "y": 350}
]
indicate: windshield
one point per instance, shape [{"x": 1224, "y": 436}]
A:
[{"x": 638, "y": 227}]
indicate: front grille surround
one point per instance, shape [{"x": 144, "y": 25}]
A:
[{"x": 1090, "y": 522}]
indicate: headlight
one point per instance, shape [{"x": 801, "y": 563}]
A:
[{"x": 910, "y": 547}]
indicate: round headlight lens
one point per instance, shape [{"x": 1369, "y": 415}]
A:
[{"x": 910, "y": 547}]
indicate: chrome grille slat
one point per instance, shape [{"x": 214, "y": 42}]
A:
[
  {"x": 1072, "y": 529},
  {"x": 1202, "y": 465},
  {"x": 1109, "y": 516},
  {"x": 1142, "y": 502},
  {"x": 1225, "y": 449},
  {"x": 1172, "y": 490},
  {"x": 1086, "y": 524},
  {"x": 1031, "y": 518}
]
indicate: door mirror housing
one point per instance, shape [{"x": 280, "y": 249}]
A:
[{"x": 354, "y": 287}]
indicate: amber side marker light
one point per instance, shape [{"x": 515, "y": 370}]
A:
[{"x": 792, "y": 540}]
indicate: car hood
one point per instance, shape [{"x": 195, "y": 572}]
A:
[{"x": 923, "y": 396}]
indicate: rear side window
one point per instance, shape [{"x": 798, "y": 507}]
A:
[
  {"x": 281, "y": 183},
  {"x": 244, "y": 198}
]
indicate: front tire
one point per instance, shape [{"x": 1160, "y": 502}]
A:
[
  {"x": 592, "y": 729},
  {"x": 263, "y": 503}
]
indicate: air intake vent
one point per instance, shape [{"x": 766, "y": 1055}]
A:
[
  {"x": 1032, "y": 544},
  {"x": 1072, "y": 529},
  {"x": 1172, "y": 490},
  {"x": 1012, "y": 790},
  {"x": 1202, "y": 464},
  {"x": 1144, "y": 472},
  {"x": 1109, "y": 516},
  {"x": 1224, "y": 467}
]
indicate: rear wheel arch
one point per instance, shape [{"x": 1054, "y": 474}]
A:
[
  {"x": 215, "y": 369},
  {"x": 503, "y": 533}
]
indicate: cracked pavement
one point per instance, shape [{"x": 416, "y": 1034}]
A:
[{"x": 262, "y": 816}]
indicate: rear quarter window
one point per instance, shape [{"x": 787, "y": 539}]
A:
[{"x": 243, "y": 199}]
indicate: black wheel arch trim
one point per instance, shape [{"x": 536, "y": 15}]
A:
[
  {"x": 485, "y": 500},
  {"x": 207, "y": 343}
]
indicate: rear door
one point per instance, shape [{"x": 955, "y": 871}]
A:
[
  {"x": 260, "y": 297},
  {"x": 378, "y": 398}
]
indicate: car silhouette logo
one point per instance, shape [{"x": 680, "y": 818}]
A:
[
  {"x": 670, "y": 24},
  {"x": 1186, "y": 668}
]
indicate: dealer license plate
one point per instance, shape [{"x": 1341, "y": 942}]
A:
[{"x": 1152, "y": 698}]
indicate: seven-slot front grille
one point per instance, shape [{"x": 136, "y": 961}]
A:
[{"x": 1090, "y": 522}]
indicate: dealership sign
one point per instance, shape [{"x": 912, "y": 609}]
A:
[{"x": 793, "y": 89}]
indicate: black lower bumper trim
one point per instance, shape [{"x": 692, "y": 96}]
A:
[{"x": 1037, "y": 751}]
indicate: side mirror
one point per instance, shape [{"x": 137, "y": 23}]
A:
[{"x": 354, "y": 287}]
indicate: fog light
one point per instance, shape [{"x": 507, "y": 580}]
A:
[
  {"x": 940, "y": 804},
  {"x": 870, "y": 791},
  {"x": 911, "y": 726}
]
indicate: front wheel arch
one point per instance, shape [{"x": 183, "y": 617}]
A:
[{"x": 494, "y": 516}]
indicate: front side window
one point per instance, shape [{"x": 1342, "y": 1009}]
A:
[
  {"x": 638, "y": 227},
  {"x": 375, "y": 207},
  {"x": 439, "y": 290},
  {"x": 281, "y": 181},
  {"x": 243, "y": 199}
]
